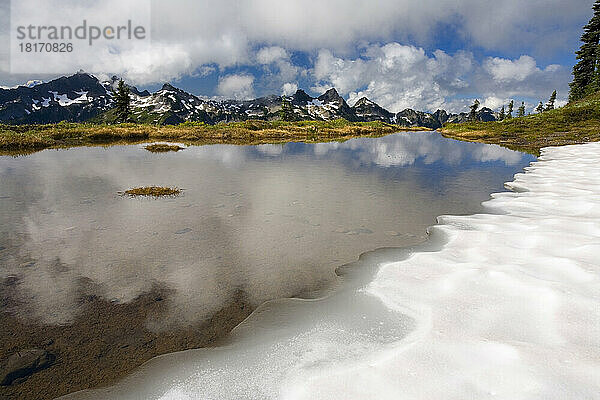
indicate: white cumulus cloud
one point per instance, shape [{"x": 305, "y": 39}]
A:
[
  {"x": 268, "y": 55},
  {"x": 506, "y": 70},
  {"x": 395, "y": 76},
  {"x": 228, "y": 32},
  {"x": 398, "y": 76},
  {"x": 289, "y": 88},
  {"x": 236, "y": 86}
]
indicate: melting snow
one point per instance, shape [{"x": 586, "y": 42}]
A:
[
  {"x": 509, "y": 308},
  {"x": 64, "y": 99},
  {"x": 82, "y": 97}
]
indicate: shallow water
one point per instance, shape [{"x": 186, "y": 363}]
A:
[
  {"x": 254, "y": 223},
  {"x": 270, "y": 221}
]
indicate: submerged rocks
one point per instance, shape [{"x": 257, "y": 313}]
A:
[{"x": 24, "y": 363}]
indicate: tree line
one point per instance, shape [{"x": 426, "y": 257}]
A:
[
  {"x": 508, "y": 114},
  {"x": 586, "y": 72}
]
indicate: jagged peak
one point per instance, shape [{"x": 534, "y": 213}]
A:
[
  {"x": 330, "y": 95},
  {"x": 168, "y": 86},
  {"x": 302, "y": 96},
  {"x": 365, "y": 101},
  {"x": 82, "y": 72},
  {"x": 77, "y": 75},
  {"x": 112, "y": 83}
]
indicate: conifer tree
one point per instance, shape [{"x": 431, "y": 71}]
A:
[
  {"x": 502, "y": 114},
  {"x": 511, "y": 105},
  {"x": 473, "y": 112},
  {"x": 122, "y": 102},
  {"x": 550, "y": 104},
  {"x": 540, "y": 108},
  {"x": 521, "y": 111},
  {"x": 586, "y": 71}
]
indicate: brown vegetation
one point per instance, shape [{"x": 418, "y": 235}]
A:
[
  {"x": 30, "y": 138},
  {"x": 162, "y": 147},
  {"x": 154, "y": 191}
]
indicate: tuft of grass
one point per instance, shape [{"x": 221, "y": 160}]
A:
[
  {"x": 153, "y": 191},
  {"x": 577, "y": 122},
  {"x": 162, "y": 147}
]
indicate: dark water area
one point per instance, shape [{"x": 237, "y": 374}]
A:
[{"x": 104, "y": 281}]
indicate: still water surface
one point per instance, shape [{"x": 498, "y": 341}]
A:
[{"x": 266, "y": 221}]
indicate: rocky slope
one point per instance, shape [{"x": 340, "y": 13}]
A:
[{"x": 82, "y": 97}]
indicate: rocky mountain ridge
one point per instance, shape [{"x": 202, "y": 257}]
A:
[{"x": 82, "y": 97}]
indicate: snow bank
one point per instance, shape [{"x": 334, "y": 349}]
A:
[
  {"x": 504, "y": 305},
  {"x": 509, "y": 308}
]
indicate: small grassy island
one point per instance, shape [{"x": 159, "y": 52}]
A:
[
  {"x": 577, "y": 122},
  {"x": 162, "y": 148},
  {"x": 153, "y": 191},
  {"x": 29, "y": 138}
]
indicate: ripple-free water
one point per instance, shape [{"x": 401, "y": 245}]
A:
[{"x": 271, "y": 221}]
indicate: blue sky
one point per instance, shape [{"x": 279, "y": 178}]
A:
[{"x": 424, "y": 54}]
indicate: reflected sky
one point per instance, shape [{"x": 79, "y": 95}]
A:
[{"x": 268, "y": 221}]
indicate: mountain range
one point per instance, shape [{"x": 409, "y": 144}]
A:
[{"x": 83, "y": 97}]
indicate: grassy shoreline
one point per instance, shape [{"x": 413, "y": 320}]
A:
[
  {"x": 575, "y": 123},
  {"x": 18, "y": 139}
]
